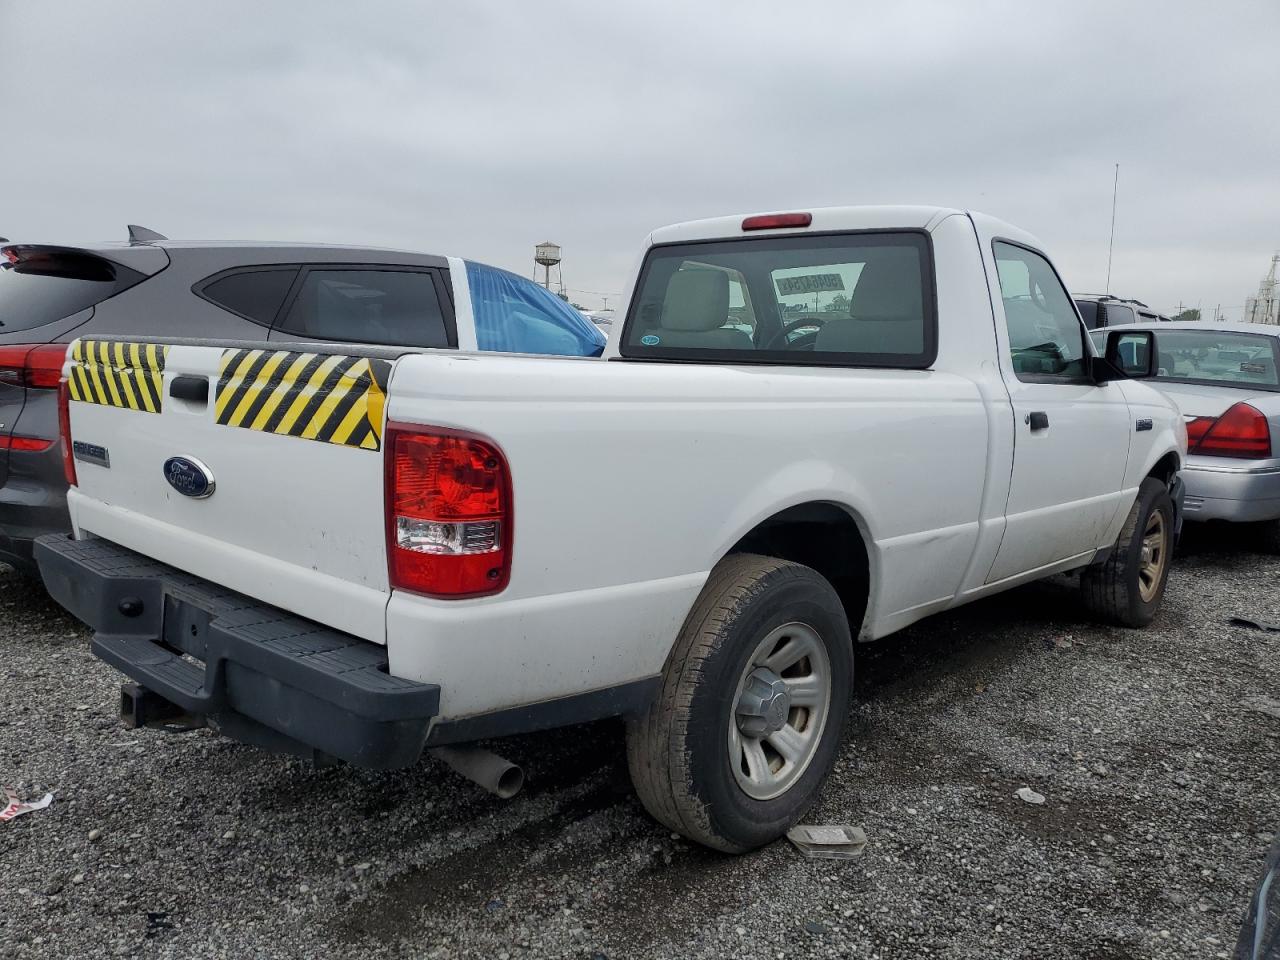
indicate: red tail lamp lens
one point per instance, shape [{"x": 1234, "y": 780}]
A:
[
  {"x": 1241, "y": 432},
  {"x": 64, "y": 431},
  {"x": 448, "y": 513},
  {"x": 26, "y": 444},
  {"x": 32, "y": 365}
]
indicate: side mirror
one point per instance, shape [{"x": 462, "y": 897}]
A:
[{"x": 1130, "y": 354}]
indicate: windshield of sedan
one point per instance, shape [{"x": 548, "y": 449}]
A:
[
  {"x": 863, "y": 299},
  {"x": 1208, "y": 356}
]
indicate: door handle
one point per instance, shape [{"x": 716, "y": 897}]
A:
[
  {"x": 1039, "y": 420},
  {"x": 190, "y": 388}
]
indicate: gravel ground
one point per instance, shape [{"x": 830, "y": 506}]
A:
[{"x": 1160, "y": 786}]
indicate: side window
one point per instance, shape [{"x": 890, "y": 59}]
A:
[
  {"x": 1088, "y": 313},
  {"x": 253, "y": 294},
  {"x": 515, "y": 315},
  {"x": 1045, "y": 336},
  {"x": 1118, "y": 315},
  {"x": 396, "y": 307}
]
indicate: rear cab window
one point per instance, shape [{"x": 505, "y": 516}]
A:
[
  {"x": 855, "y": 299},
  {"x": 39, "y": 284}
]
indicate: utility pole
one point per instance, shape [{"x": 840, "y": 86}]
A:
[{"x": 1115, "y": 189}]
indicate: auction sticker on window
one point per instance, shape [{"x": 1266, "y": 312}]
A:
[{"x": 809, "y": 283}]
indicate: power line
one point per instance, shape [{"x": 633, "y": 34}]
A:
[{"x": 594, "y": 293}]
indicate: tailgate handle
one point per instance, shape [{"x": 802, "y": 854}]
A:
[{"x": 188, "y": 387}]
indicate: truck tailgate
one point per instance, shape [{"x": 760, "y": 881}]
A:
[{"x": 257, "y": 468}]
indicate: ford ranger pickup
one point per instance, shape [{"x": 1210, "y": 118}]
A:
[{"x": 811, "y": 429}]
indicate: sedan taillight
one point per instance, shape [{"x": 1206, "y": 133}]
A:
[
  {"x": 32, "y": 365},
  {"x": 1241, "y": 432}
]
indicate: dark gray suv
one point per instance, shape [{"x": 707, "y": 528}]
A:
[{"x": 151, "y": 286}]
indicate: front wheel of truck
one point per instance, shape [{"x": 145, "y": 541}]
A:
[
  {"x": 751, "y": 709},
  {"x": 1127, "y": 588}
]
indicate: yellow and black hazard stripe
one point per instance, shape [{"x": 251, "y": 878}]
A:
[
  {"x": 118, "y": 374},
  {"x": 315, "y": 396}
]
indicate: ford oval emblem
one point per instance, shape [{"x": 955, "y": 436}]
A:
[{"x": 189, "y": 477}]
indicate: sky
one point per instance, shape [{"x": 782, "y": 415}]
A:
[{"x": 478, "y": 129}]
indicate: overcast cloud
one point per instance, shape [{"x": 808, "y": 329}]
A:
[{"x": 479, "y": 129}]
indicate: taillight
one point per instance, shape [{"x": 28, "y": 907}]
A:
[
  {"x": 776, "y": 221},
  {"x": 64, "y": 431},
  {"x": 26, "y": 444},
  {"x": 32, "y": 365},
  {"x": 448, "y": 503},
  {"x": 1240, "y": 432},
  {"x": 1197, "y": 427}
]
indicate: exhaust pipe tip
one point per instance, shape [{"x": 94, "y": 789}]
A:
[
  {"x": 510, "y": 782},
  {"x": 500, "y": 777}
]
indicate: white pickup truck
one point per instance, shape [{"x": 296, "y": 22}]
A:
[{"x": 812, "y": 429}]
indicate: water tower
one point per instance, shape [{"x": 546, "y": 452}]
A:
[{"x": 548, "y": 255}]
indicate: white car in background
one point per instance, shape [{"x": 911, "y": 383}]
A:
[{"x": 1224, "y": 378}]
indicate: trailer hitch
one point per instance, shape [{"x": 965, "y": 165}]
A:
[{"x": 140, "y": 707}]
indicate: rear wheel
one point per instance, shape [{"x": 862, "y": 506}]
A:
[
  {"x": 1127, "y": 588},
  {"x": 751, "y": 709}
]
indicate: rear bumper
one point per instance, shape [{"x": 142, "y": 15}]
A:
[
  {"x": 262, "y": 675},
  {"x": 1220, "y": 489},
  {"x": 33, "y": 502}
]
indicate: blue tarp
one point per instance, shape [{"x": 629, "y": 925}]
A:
[{"x": 515, "y": 315}]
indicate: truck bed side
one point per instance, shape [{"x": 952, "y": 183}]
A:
[{"x": 632, "y": 480}]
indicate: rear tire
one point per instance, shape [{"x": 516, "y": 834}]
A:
[
  {"x": 1127, "y": 588},
  {"x": 683, "y": 750}
]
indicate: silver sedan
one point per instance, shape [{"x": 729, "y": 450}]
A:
[{"x": 1223, "y": 376}]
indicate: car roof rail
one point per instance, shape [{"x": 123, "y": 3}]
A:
[{"x": 139, "y": 234}]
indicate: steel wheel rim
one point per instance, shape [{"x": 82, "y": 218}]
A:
[
  {"x": 1155, "y": 552},
  {"x": 767, "y": 764}
]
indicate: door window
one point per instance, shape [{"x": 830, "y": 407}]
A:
[
  {"x": 1046, "y": 339},
  {"x": 396, "y": 307}
]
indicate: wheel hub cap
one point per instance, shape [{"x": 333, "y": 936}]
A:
[
  {"x": 1154, "y": 552},
  {"x": 778, "y": 711},
  {"x": 764, "y": 705}
]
